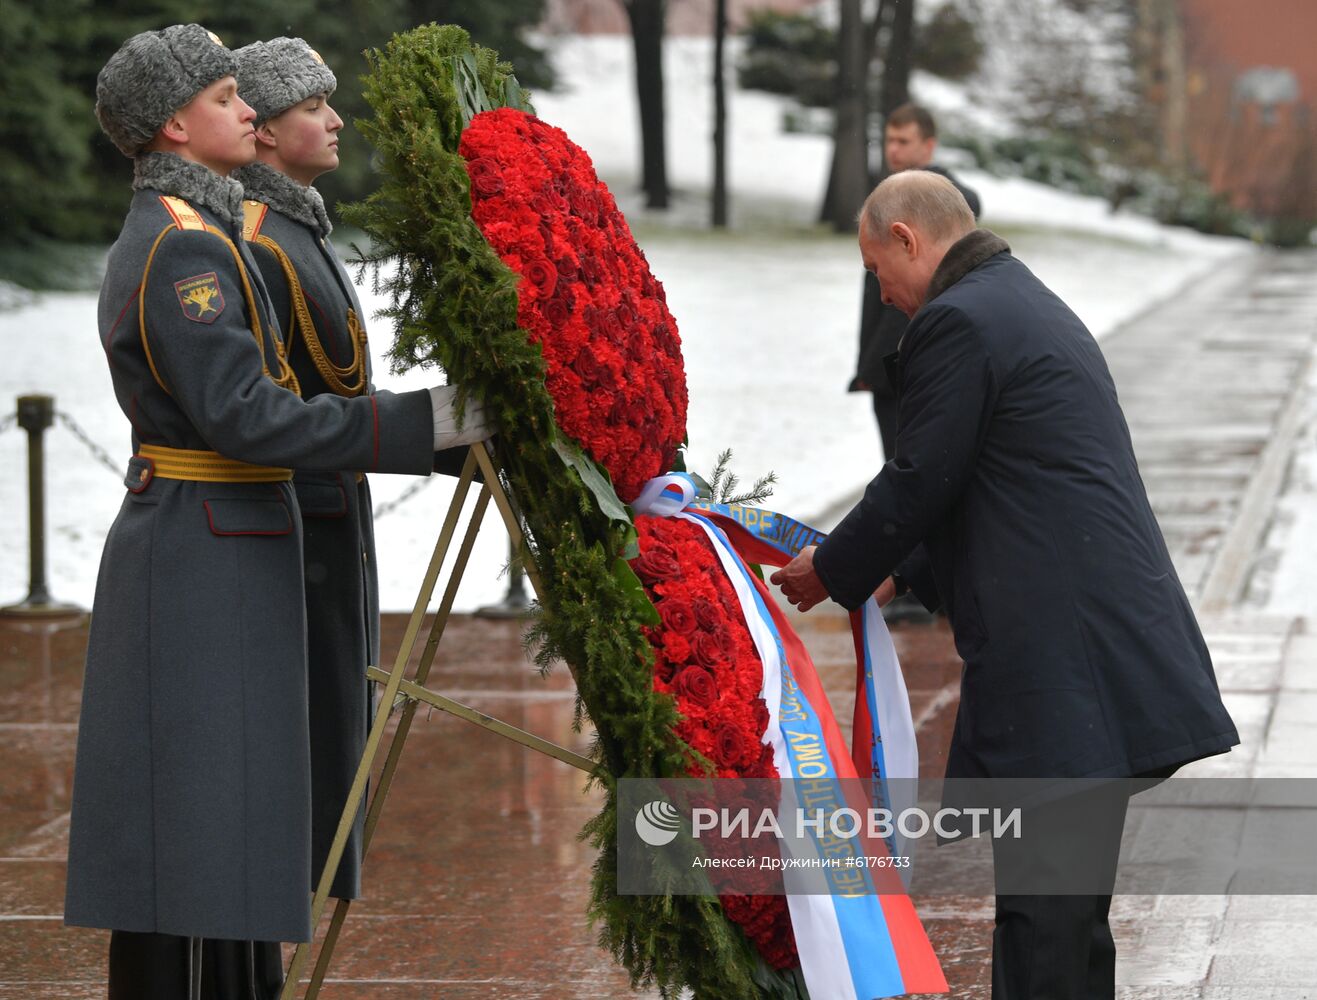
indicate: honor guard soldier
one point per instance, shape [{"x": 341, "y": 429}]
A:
[
  {"x": 288, "y": 85},
  {"x": 192, "y": 795}
]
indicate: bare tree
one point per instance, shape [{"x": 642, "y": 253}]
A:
[
  {"x": 897, "y": 54},
  {"x": 647, "y": 19},
  {"x": 848, "y": 180},
  {"x": 890, "y": 31},
  {"x": 719, "y": 205}
]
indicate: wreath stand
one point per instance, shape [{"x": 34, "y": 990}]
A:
[{"x": 412, "y": 693}]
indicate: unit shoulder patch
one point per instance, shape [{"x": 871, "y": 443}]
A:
[{"x": 200, "y": 297}]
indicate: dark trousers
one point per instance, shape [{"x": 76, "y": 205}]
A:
[
  {"x": 168, "y": 967},
  {"x": 884, "y": 409},
  {"x": 1054, "y": 942}
]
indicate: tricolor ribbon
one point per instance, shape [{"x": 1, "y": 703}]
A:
[{"x": 855, "y": 943}]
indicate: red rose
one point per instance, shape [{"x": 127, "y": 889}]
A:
[
  {"x": 707, "y": 649},
  {"x": 696, "y": 686},
  {"x": 541, "y": 273},
  {"x": 656, "y": 565},
  {"x": 556, "y": 312},
  {"x": 637, "y": 346},
  {"x": 642, "y": 410},
  {"x": 613, "y": 328},
  {"x": 677, "y": 615},
  {"x": 586, "y": 365},
  {"x": 729, "y": 744},
  {"x": 707, "y": 613},
  {"x": 618, "y": 414},
  {"x": 485, "y": 176},
  {"x": 760, "y": 714}
]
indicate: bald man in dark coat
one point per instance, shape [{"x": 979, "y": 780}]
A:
[{"x": 1014, "y": 502}]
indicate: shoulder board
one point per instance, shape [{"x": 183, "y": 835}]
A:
[
  {"x": 184, "y": 215},
  {"x": 253, "y": 215}
]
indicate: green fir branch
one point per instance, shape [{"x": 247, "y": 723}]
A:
[{"x": 723, "y": 483}]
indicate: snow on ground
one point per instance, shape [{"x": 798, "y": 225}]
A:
[
  {"x": 1286, "y": 581},
  {"x": 767, "y": 313}
]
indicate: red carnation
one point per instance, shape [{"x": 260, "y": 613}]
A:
[{"x": 696, "y": 686}]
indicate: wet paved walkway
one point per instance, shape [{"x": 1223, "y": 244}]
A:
[{"x": 476, "y": 882}]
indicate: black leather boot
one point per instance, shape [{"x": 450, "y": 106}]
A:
[
  {"x": 153, "y": 966},
  {"x": 241, "y": 970}
]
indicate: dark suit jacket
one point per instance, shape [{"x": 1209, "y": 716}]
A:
[
  {"x": 881, "y": 326},
  {"x": 1015, "y": 500}
]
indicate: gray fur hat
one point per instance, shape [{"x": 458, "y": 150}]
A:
[
  {"x": 275, "y": 75},
  {"x": 153, "y": 75}
]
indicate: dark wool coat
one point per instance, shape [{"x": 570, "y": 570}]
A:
[
  {"x": 191, "y": 801},
  {"x": 1015, "y": 501}
]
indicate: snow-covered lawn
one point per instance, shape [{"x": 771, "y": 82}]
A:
[{"x": 767, "y": 314}]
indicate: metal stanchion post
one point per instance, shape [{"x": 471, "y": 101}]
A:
[
  {"x": 35, "y": 415},
  {"x": 516, "y": 602}
]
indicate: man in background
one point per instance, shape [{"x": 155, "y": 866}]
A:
[{"x": 909, "y": 142}]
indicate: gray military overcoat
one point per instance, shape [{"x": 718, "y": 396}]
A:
[
  {"x": 191, "y": 801},
  {"x": 287, "y": 226}
]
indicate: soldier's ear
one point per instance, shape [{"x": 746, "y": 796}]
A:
[
  {"x": 174, "y": 129},
  {"x": 265, "y": 136}
]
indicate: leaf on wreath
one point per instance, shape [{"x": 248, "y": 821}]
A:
[{"x": 594, "y": 479}]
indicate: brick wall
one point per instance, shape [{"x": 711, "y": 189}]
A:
[{"x": 1252, "y": 101}]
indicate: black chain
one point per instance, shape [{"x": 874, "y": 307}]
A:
[
  {"x": 389, "y": 506},
  {"x": 97, "y": 452}
]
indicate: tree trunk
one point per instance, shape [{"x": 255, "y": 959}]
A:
[
  {"x": 646, "y": 17},
  {"x": 896, "y": 57},
  {"x": 719, "y": 206},
  {"x": 848, "y": 182}
]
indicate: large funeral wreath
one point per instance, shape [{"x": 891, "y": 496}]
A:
[{"x": 510, "y": 266}]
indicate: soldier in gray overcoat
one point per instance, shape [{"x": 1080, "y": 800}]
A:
[
  {"x": 191, "y": 804},
  {"x": 287, "y": 228}
]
